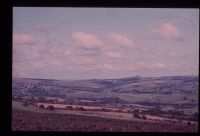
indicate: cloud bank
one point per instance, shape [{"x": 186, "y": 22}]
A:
[
  {"x": 121, "y": 40},
  {"x": 150, "y": 65},
  {"x": 86, "y": 40},
  {"x": 22, "y": 38},
  {"x": 167, "y": 30}
]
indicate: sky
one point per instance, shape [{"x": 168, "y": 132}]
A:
[{"x": 102, "y": 43}]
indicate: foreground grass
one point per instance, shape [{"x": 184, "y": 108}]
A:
[{"x": 31, "y": 121}]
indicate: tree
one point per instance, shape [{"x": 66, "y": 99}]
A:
[
  {"x": 69, "y": 108},
  {"x": 135, "y": 115},
  {"x": 185, "y": 98},
  {"x": 136, "y": 111},
  {"x": 82, "y": 109},
  {"x": 51, "y": 107},
  {"x": 189, "y": 123},
  {"x": 41, "y": 106},
  {"x": 195, "y": 116},
  {"x": 144, "y": 117},
  {"x": 25, "y": 104}
]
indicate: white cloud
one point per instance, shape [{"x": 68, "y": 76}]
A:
[
  {"x": 109, "y": 67},
  {"x": 22, "y": 38},
  {"x": 30, "y": 53},
  {"x": 150, "y": 65},
  {"x": 120, "y": 39},
  {"x": 173, "y": 54},
  {"x": 39, "y": 65},
  {"x": 56, "y": 63},
  {"x": 67, "y": 52},
  {"x": 56, "y": 50},
  {"x": 113, "y": 55},
  {"x": 87, "y": 40},
  {"x": 84, "y": 61},
  {"x": 167, "y": 30},
  {"x": 60, "y": 51}
]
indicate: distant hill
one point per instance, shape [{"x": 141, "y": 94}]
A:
[{"x": 137, "y": 84}]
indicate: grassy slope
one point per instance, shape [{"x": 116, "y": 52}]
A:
[{"x": 31, "y": 121}]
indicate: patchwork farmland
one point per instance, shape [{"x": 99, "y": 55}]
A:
[{"x": 159, "y": 100}]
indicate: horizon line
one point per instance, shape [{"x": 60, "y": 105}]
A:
[{"x": 193, "y": 75}]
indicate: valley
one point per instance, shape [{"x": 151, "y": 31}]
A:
[{"x": 171, "y": 100}]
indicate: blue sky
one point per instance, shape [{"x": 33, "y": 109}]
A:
[{"x": 88, "y": 43}]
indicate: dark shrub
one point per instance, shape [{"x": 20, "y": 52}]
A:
[
  {"x": 82, "y": 109},
  {"x": 189, "y": 123},
  {"x": 25, "y": 104},
  {"x": 144, "y": 117},
  {"x": 136, "y": 115},
  {"x": 51, "y": 107},
  {"x": 41, "y": 106},
  {"x": 69, "y": 108}
]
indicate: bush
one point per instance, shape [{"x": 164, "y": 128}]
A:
[
  {"x": 136, "y": 115},
  {"x": 25, "y": 104},
  {"x": 51, "y": 107},
  {"x": 41, "y": 106},
  {"x": 184, "y": 98},
  {"x": 189, "y": 123},
  {"x": 82, "y": 109},
  {"x": 144, "y": 117},
  {"x": 69, "y": 108}
]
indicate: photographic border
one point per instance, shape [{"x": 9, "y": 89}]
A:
[{"x": 6, "y": 20}]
